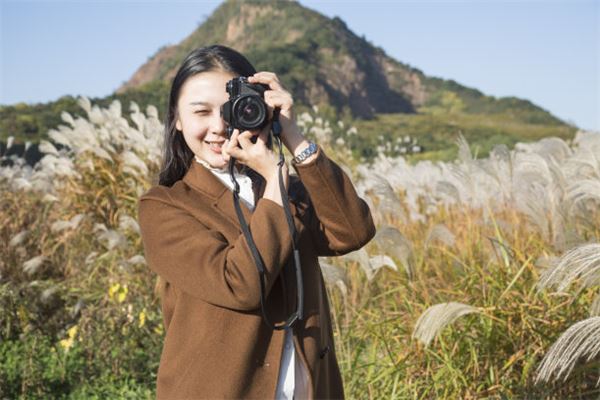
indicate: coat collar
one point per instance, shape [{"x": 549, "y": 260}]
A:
[{"x": 201, "y": 179}]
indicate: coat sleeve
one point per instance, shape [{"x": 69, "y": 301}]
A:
[
  {"x": 339, "y": 221},
  {"x": 201, "y": 262}
]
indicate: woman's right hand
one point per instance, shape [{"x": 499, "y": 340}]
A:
[
  {"x": 255, "y": 155},
  {"x": 258, "y": 157}
]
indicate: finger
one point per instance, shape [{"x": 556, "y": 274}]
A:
[
  {"x": 268, "y": 78},
  {"x": 280, "y": 98},
  {"x": 264, "y": 133},
  {"x": 232, "y": 142},
  {"x": 232, "y": 149},
  {"x": 244, "y": 139},
  {"x": 225, "y": 154},
  {"x": 263, "y": 137},
  {"x": 255, "y": 135},
  {"x": 236, "y": 153}
]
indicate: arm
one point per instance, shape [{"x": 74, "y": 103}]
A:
[
  {"x": 202, "y": 263},
  {"x": 339, "y": 220}
]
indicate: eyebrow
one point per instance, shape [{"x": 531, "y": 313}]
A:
[{"x": 199, "y": 103}]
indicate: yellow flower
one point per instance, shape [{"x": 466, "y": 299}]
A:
[
  {"x": 68, "y": 343},
  {"x": 119, "y": 291},
  {"x": 142, "y": 318},
  {"x": 113, "y": 289},
  {"x": 122, "y": 294}
]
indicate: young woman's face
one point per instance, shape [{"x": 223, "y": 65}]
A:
[{"x": 199, "y": 115}]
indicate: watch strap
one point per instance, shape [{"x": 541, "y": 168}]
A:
[{"x": 309, "y": 151}]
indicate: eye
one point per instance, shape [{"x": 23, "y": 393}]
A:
[{"x": 201, "y": 112}]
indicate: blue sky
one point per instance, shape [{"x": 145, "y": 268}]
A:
[{"x": 546, "y": 51}]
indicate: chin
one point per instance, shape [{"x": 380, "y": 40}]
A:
[{"x": 218, "y": 163}]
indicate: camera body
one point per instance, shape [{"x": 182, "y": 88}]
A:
[{"x": 246, "y": 108}]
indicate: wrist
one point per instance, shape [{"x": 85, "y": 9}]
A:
[
  {"x": 273, "y": 175},
  {"x": 306, "y": 153},
  {"x": 295, "y": 141}
]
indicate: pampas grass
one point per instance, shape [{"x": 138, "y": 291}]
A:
[
  {"x": 581, "y": 263},
  {"x": 32, "y": 265},
  {"x": 437, "y": 317},
  {"x": 582, "y": 340},
  {"x": 472, "y": 236}
]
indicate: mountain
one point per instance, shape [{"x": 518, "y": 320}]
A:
[{"x": 324, "y": 63}]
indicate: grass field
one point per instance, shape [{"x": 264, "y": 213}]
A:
[{"x": 480, "y": 283}]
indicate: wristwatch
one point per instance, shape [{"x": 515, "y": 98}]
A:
[{"x": 309, "y": 151}]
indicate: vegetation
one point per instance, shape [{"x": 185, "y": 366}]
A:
[{"x": 456, "y": 296}]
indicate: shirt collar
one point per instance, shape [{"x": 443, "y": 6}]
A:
[{"x": 224, "y": 170}]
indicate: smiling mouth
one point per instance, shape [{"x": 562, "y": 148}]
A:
[{"x": 215, "y": 146}]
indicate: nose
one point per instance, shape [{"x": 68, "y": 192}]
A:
[{"x": 217, "y": 124}]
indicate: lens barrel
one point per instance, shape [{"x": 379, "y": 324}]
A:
[{"x": 246, "y": 109}]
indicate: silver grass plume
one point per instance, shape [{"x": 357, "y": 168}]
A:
[
  {"x": 137, "y": 259},
  {"x": 440, "y": 233},
  {"x": 582, "y": 340},
  {"x": 380, "y": 260},
  {"x": 334, "y": 275},
  {"x": 112, "y": 238},
  {"x": 32, "y": 265},
  {"x": 584, "y": 190},
  {"x": 126, "y": 223},
  {"x": 389, "y": 203},
  {"x": 370, "y": 265},
  {"x": 464, "y": 152},
  {"x": 91, "y": 258},
  {"x": 437, "y": 317},
  {"x": 18, "y": 238},
  {"x": 448, "y": 189},
  {"x": 47, "y": 148},
  {"x": 391, "y": 242},
  {"x": 73, "y": 223},
  {"x": 581, "y": 262}
]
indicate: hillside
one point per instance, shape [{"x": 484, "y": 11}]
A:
[{"x": 322, "y": 63}]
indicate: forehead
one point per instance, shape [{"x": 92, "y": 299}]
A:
[{"x": 206, "y": 87}]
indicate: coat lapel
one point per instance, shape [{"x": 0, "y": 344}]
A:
[{"x": 201, "y": 179}]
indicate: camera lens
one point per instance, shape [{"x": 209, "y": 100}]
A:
[{"x": 250, "y": 112}]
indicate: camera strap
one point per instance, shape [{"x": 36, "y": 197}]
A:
[{"x": 299, "y": 313}]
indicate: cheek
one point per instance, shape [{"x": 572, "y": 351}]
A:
[
  {"x": 194, "y": 135},
  {"x": 194, "y": 128}
]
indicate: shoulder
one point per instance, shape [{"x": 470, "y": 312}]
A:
[
  {"x": 158, "y": 192},
  {"x": 154, "y": 201},
  {"x": 165, "y": 195},
  {"x": 162, "y": 205}
]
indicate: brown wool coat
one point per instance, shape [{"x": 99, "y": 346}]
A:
[{"x": 217, "y": 345}]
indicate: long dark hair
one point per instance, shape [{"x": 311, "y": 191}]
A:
[{"x": 177, "y": 156}]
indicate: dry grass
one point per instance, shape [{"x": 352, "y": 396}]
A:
[{"x": 467, "y": 239}]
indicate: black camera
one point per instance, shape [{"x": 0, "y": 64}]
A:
[{"x": 246, "y": 109}]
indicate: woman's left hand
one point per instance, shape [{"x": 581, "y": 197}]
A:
[{"x": 277, "y": 96}]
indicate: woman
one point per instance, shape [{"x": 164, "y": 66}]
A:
[{"x": 217, "y": 344}]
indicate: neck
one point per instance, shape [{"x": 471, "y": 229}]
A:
[{"x": 239, "y": 168}]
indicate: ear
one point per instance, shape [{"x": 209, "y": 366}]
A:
[{"x": 178, "y": 125}]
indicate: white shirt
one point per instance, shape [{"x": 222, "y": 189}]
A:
[
  {"x": 293, "y": 377},
  {"x": 246, "y": 193}
]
